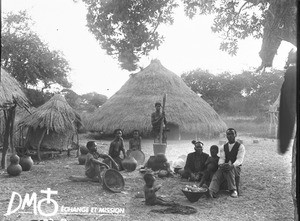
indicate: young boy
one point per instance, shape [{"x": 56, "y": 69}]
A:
[
  {"x": 211, "y": 166},
  {"x": 116, "y": 147},
  {"x": 150, "y": 192},
  {"x": 93, "y": 166}
]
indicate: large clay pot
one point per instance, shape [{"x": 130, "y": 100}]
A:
[
  {"x": 84, "y": 150},
  {"x": 81, "y": 159},
  {"x": 26, "y": 163},
  {"x": 14, "y": 169},
  {"x": 129, "y": 164}
]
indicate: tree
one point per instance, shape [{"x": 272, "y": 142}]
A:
[
  {"x": 216, "y": 90},
  {"x": 246, "y": 93},
  {"x": 128, "y": 29},
  {"x": 94, "y": 99},
  {"x": 27, "y": 57}
]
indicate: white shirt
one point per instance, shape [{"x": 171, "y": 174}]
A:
[{"x": 239, "y": 157}]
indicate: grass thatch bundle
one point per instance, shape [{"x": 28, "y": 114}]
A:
[
  {"x": 11, "y": 92},
  {"x": 131, "y": 107},
  {"x": 55, "y": 115}
]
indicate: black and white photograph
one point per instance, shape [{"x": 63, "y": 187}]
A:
[{"x": 149, "y": 110}]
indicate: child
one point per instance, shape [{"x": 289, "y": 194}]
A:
[
  {"x": 116, "y": 147},
  {"x": 150, "y": 192},
  {"x": 93, "y": 166},
  {"x": 135, "y": 141},
  {"x": 211, "y": 166}
]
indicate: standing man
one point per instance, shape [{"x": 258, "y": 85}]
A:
[
  {"x": 156, "y": 119},
  {"x": 229, "y": 166}
]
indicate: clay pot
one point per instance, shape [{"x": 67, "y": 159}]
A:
[
  {"x": 160, "y": 158},
  {"x": 83, "y": 150},
  {"x": 14, "y": 169},
  {"x": 26, "y": 163},
  {"x": 129, "y": 164},
  {"x": 81, "y": 159}
]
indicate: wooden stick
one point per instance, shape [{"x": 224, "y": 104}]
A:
[{"x": 162, "y": 122}]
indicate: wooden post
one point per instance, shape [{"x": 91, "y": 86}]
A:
[
  {"x": 6, "y": 138},
  {"x": 39, "y": 144},
  {"x": 162, "y": 122},
  {"x": 12, "y": 121}
]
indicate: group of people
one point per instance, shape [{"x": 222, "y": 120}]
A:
[
  {"x": 213, "y": 171},
  {"x": 93, "y": 166}
]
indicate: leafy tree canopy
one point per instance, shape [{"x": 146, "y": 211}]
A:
[
  {"x": 127, "y": 29},
  {"x": 27, "y": 57},
  {"x": 252, "y": 92}
]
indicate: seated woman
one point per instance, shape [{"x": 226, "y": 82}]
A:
[
  {"x": 195, "y": 163},
  {"x": 116, "y": 147}
]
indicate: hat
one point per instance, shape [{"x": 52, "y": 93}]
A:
[{"x": 197, "y": 142}]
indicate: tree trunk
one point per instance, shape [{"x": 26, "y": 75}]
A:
[{"x": 294, "y": 183}]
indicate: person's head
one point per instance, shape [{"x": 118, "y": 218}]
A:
[
  {"x": 118, "y": 132},
  {"x": 91, "y": 145},
  {"x": 231, "y": 134},
  {"x": 157, "y": 106},
  {"x": 198, "y": 146},
  {"x": 149, "y": 179},
  {"x": 136, "y": 133},
  {"x": 214, "y": 150}
]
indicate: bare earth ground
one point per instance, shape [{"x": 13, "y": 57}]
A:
[{"x": 265, "y": 188}]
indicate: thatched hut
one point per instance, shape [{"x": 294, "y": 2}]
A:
[
  {"x": 51, "y": 126},
  {"x": 11, "y": 96},
  {"x": 131, "y": 107}
]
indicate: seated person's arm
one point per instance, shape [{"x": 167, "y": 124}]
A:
[{"x": 99, "y": 162}]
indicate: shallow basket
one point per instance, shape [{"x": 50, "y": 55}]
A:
[
  {"x": 193, "y": 196},
  {"x": 113, "y": 180}
]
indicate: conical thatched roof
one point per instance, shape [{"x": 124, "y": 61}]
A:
[
  {"x": 55, "y": 115},
  {"x": 11, "y": 92},
  {"x": 131, "y": 107}
]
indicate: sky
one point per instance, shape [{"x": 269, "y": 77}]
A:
[{"x": 189, "y": 45}]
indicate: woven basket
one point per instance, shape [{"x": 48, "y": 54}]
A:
[{"x": 113, "y": 180}]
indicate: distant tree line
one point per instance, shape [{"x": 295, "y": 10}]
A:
[
  {"x": 38, "y": 69},
  {"x": 248, "y": 93}
]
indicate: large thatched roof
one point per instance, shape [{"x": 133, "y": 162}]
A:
[
  {"x": 55, "y": 115},
  {"x": 131, "y": 107},
  {"x": 11, "y": 92}
]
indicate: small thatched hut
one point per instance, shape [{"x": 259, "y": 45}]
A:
[
  {"x": 131, "y": 107},
  {"x": 51, "y": 126},
  {"x": 11, "y": 96}
]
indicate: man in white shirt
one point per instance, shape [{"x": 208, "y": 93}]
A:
[{"x": 229, "y": 166}]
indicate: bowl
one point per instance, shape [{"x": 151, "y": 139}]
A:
[
  {"x": 113, "y": 180},
  {"x": 193, "y": 196}
]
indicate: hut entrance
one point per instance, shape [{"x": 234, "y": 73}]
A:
[{"x": 173, "y": 133}]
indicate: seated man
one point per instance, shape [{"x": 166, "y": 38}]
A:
[
  {"x": 195, "y": 163},
  {"x": 230, "y": 162},
  {"x": 93, "y": 166},
  {"x": 211, "y": 165}
]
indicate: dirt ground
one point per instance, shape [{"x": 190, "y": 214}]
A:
[{"x": 265, "y": 188}]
